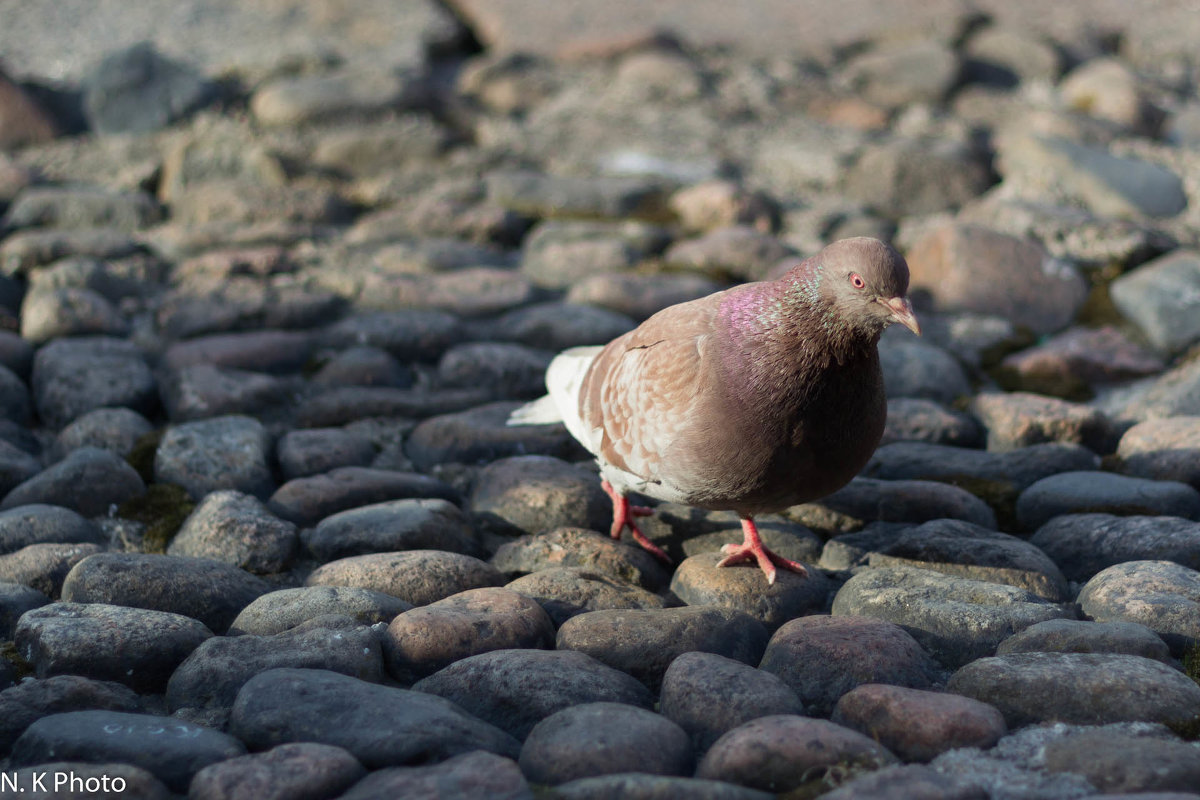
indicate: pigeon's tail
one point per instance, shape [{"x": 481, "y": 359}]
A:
[
  {"x": 542, "y": 411},
  {"x": 564, "y": 377}
]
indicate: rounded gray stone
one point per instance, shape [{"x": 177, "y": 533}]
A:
[
  {"x": 40, "y": 524},
  {"x": 822, "y": 658},
  {"x": 601, "y": 739},
  {"x": 708, "y": 695},
  {"x": 114, "y": 429},
  {"x": 32, "y": 699},
  {"x": 419, "y": 577},
  {"x": 301, "y": 771},
  {"x": 698, "y": 581},
  {"x": 1081, "y": 688},
  {"x": 565, "y": 592},
  {"x": 210, "y": 591},
  {"x": 516, "y": 689},
  {"x": 409, "y": 524},
  {"x": 1084, "y": 544},
  {"x": 381, "y": 726},
  {"x": 213, "y": 454},
  {"x": 237, "y": 529},
  {"x": 533, "y": 494},
  {"x": 311, "y": 452},
  {"x": 90, "y": 481},
  {"x": 1078, "y": 636},
  {"x": 643, "y": 643},
  {"x": 1162, "y": 595},
  {"x": 134, "y": 646},
  {"x": 283, "y": 609},
  {"x": 956, "y": 619},
  {"x": 75, "y": 375}
]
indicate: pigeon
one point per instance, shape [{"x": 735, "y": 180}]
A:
[{"x": 752, "y": 399}]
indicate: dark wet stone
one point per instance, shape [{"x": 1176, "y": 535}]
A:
[
  {"x": 565, "y": 592},
  {"x": 139, "y": 89},
  {"x": 202, "y": 391},
  {"x": 101, "y": 736},
  {"x": 914, "y": 419},
  {"x": 210, "y": 591},
  {"x": 311, "y": 452},
  {"x": 256, "y": 351},
  {"x": 76, "y": 375},
  {"x": 214, "y": 454},
  {"x": 212, "y": 675},
  {"x": 408, "y": 335},
  {"x": 709, "y": 695},
  {"x": 307, "y": 501},
  {"x": 785, "y": 752},
  {"x": 1020, "y": 419},
  {"x": 533, "y": 494},
  {"x": 44, "y": 567},
  {"x": 643, "y": 643},
  {"x": 285, "y": 609},
  {"x": 14, "y": 397},
  {"x": 470, "y": 776},
  {"x": 822, "y": 658},
  {"x": 1119, "y": 763},
  {"x": 1011, "y": 471},
  {"x": 114, "y": 429},
  {"x": 237, "y": 529},
  {"x": 424, "y": 640},
  {"x": 954, "y": 548},
  {"x": 364, "y": 366},
  {"x": 871, "y": 500},
  {"x": 481, "y": 435},
  {"x": 698, "y": 581},
  {"x": 640, "y": 786},
  {"x": 955, "y": 619},
  {"x": 339, "y": 406},
  {"x": 428, "y": 524},
  {"x": 419, "y": 577},
  {"x": 89, "y": 481},
  {"x": 15, "y": 353},
  {"x": 78, "y": 780},
  {"x": 604, "y": 738},
  {"x": 1162, "y": 595},
  {"x": 40, "y": 524},
  {"x": 1081, "y": 688},
  {"x": 516, "y": 689},
  {"x": 917, "y": 369},
  {"x": 380, "y": 725},
  {"x": 1084, "y": 544},
  {"x": 910, "y": 780},
  {"x": 1076, "y": 636},
  {"x": 583, "y": 548},
  {"x": 134, "y": 646},
  {"x": 16, "y": 466},
  {"x": 33, "y": 699},
  {"x": 15, "y": 600},
  {"x": 919, "y": 725},
  {"x": 1163, "y": 449},
  {"x": 1106, "y": 493},
  {"x": 301, "y": 771},
  {"x": 558, "y": 326}
]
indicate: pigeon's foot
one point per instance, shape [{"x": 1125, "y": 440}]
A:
[
  {"x": 752, "y": 549},
  {"x": 625, "y": 516}
]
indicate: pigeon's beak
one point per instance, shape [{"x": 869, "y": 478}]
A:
[{"x": 902, "y": 312}]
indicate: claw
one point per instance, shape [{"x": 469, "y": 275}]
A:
[
  {"x": 624, "y": 515},
  {"x": 752, "y": 548}
]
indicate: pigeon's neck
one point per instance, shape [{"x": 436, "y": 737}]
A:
[{"x": 782, "y": 335}]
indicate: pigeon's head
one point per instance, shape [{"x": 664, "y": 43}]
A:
[{"x": 866, "y": 281}]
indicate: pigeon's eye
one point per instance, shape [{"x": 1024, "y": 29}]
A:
[{"x": 856, "y": 280}]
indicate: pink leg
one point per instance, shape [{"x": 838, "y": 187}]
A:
[
  {"x": 752, "y": 548},
  {"x": 625, "y": 515}
]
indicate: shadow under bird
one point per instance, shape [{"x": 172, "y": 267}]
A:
[{"x": 752, "y": 399}]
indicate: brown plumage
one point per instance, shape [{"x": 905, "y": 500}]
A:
[{"x": 752, "y": 399}]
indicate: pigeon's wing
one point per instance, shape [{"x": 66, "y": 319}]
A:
[{"x": 644, "y": 388}]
